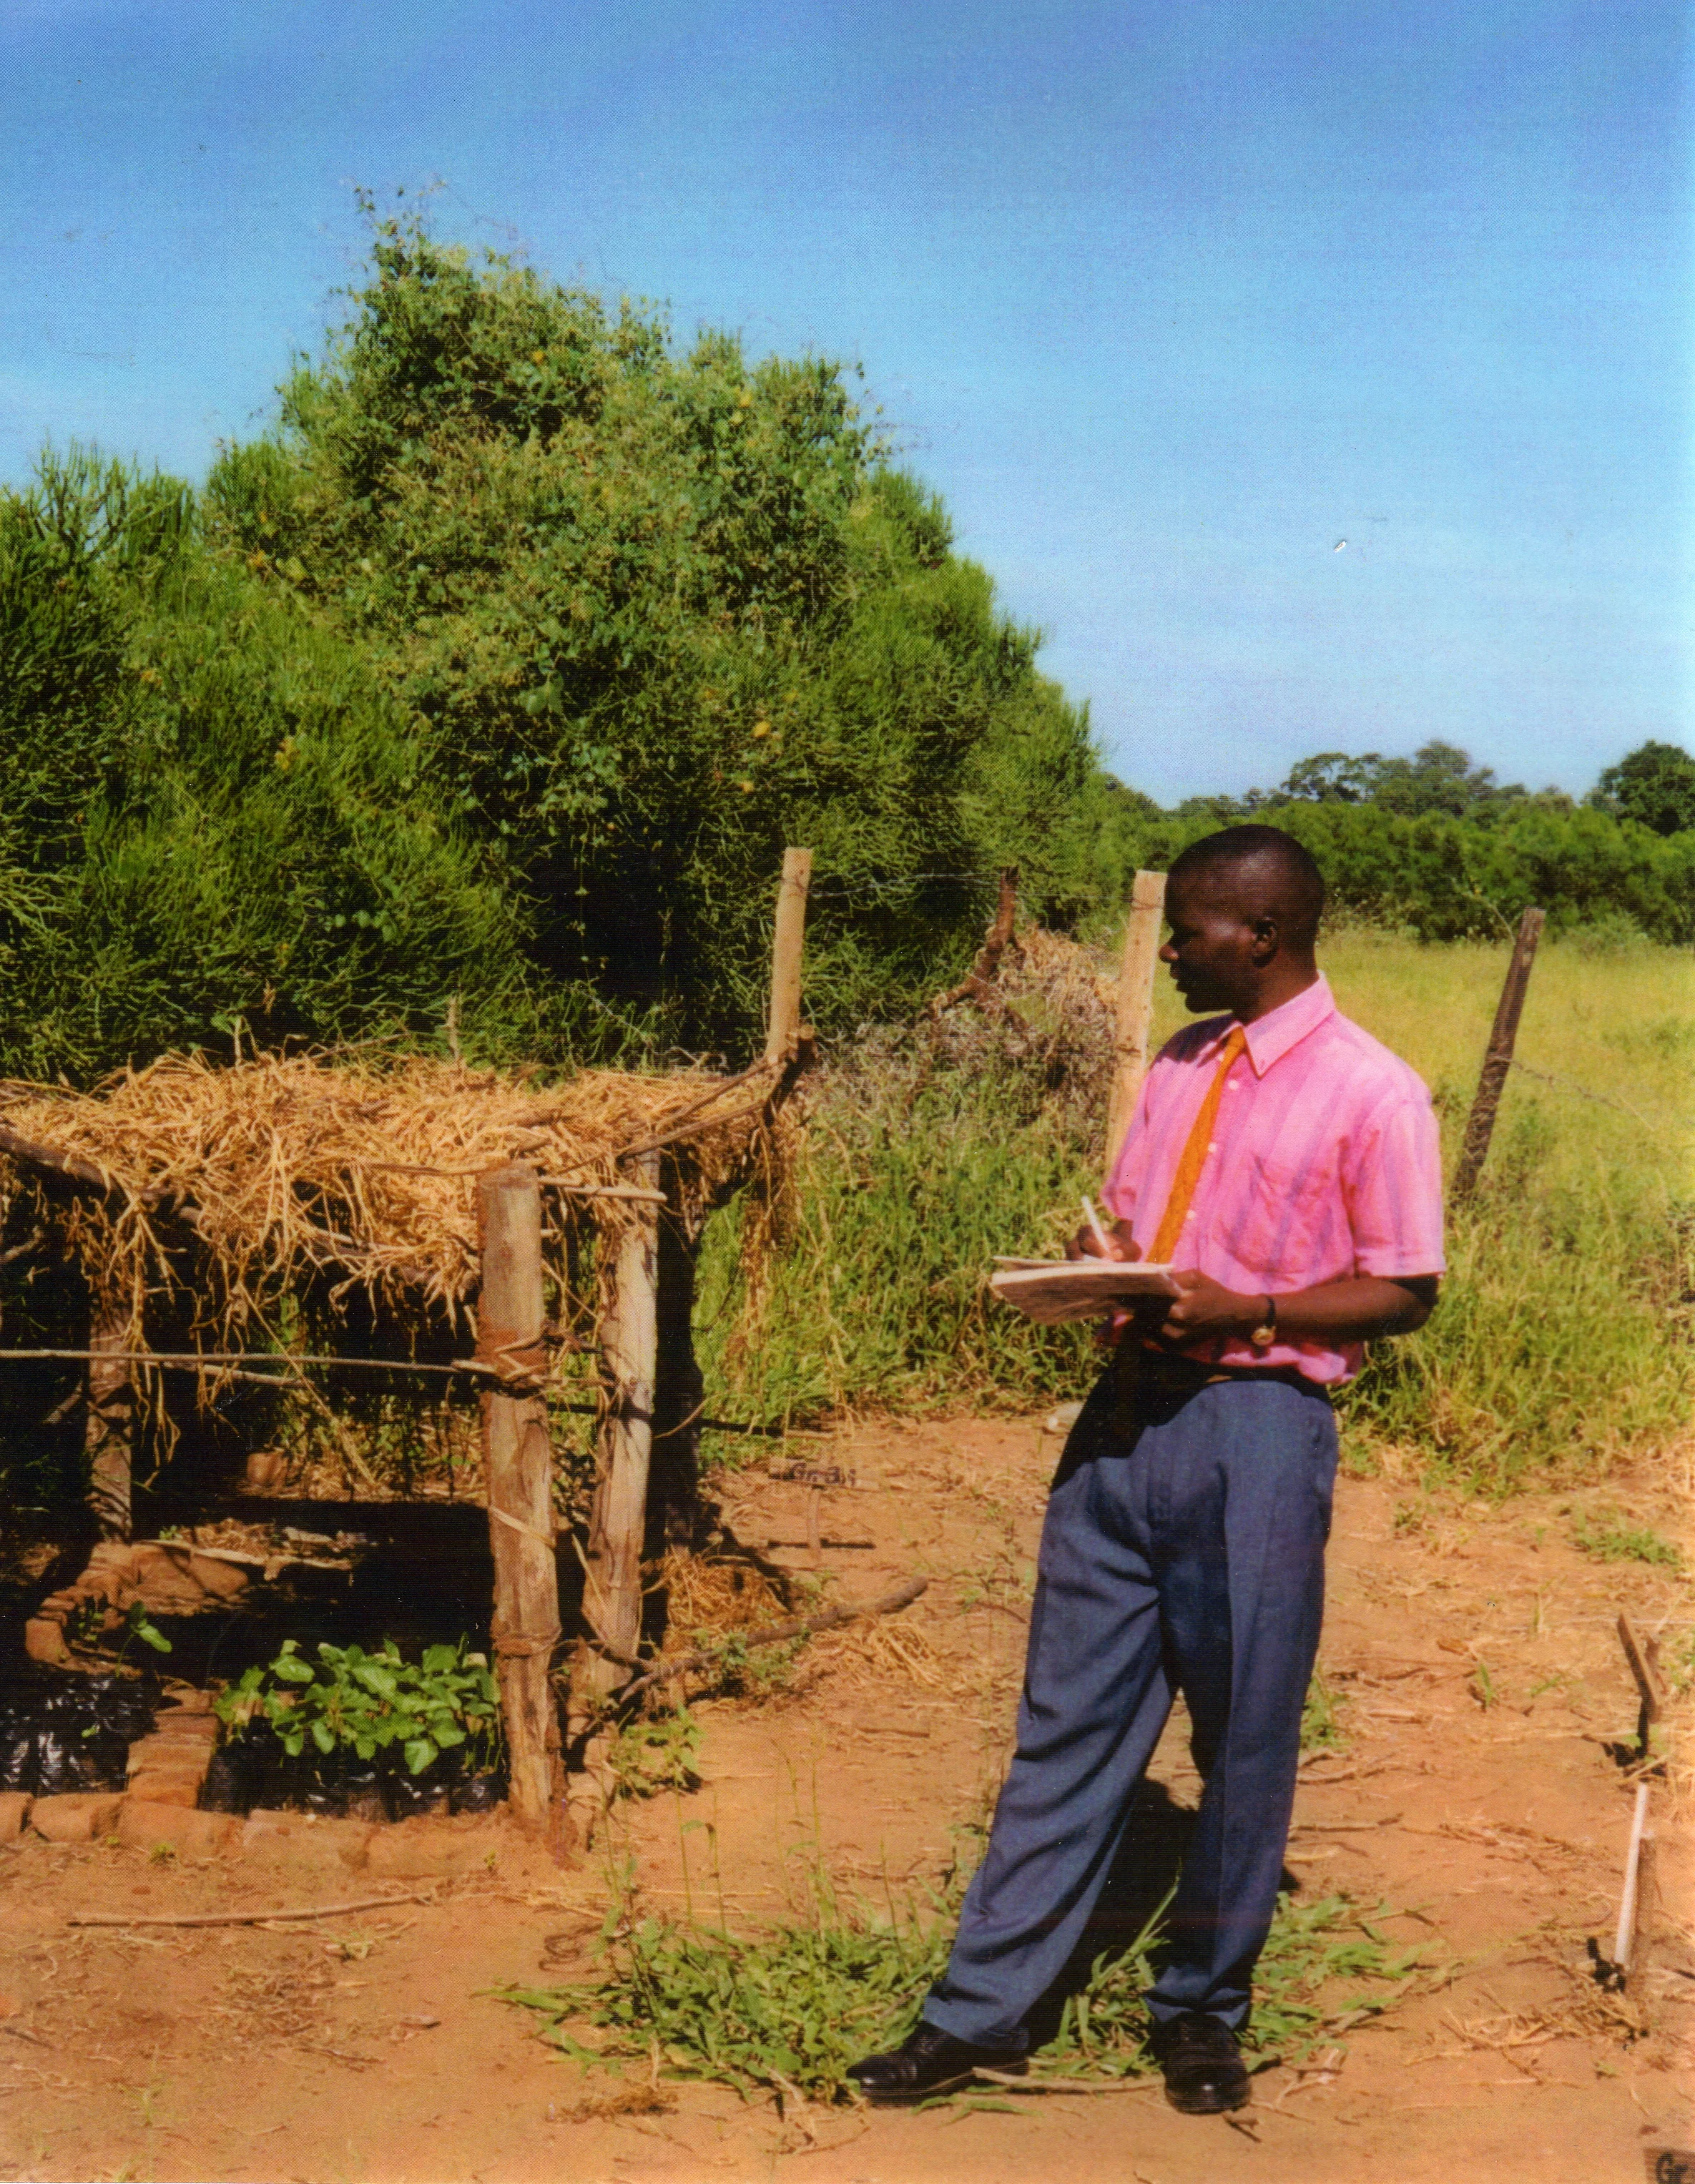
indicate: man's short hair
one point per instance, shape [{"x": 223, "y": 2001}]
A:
[{"x": 1279, "y": 877}]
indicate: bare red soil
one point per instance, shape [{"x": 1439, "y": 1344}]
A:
[{"x": 1484, "y": 1701}]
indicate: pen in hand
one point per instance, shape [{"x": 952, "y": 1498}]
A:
[{"x": 1099, "y": 1234}]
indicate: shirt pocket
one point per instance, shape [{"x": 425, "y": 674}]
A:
[{"x": 1290, "y": 1226}]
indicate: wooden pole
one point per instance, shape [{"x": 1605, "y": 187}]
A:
[
  {"x": 1136, "y": 1004},
  {"x": 782, "y": 1031},
  {"x": 518, "y": 1461},
  {"x": 1497, "y": 1059},
  {"x": 109, "y": 1427},
  {"x": 617, "y": 1527},
  {"x": 1643, "y": 1658},
  {"x": 679, "y": 1386}
]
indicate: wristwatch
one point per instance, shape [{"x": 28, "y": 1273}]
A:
[{"x": 1262, "y": 1336}]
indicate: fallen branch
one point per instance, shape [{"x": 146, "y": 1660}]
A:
[
  {"x": 773, "y": 1633},
  {"x": 242, "y": 1918}
]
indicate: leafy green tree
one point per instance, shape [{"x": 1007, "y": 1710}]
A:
[
  {"x": 209, "y": 812},
  {"x": 656, "y": 613},
  {"x": 1654, "y": 784},
  {"x": 1439, "y": 777}
]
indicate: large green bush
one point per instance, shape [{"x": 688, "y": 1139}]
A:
[
  {"x": 208, "y": 811},
  {"x": 659, "y": 613}
]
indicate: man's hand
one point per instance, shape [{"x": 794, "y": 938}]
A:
[
  {"x": 1356, "y": 1309},
  {"x": 1208, "y": 1309},
  {"x": 1120, "y": 1244}
]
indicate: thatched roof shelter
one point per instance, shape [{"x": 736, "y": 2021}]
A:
[
  {"x": 288, "y": 1170},
  {"x": 425, "y": 1204}
]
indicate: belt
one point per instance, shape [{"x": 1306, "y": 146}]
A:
[{"x": 1137, "y": 1369}]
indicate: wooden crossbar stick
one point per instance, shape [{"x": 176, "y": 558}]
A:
[{"x": 240, "y": 1917}]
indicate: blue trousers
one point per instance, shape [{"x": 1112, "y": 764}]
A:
[{"x": 1186, "y": 1555}]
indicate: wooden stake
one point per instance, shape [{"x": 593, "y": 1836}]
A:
[
  {"x": 1136, "y": 1004},
  {"x": 110, "y": 1422},
  {"x": 617, "y": 1528},
  {"x": 518, "y": 1462},
  {"x": 1645, "y": 1668},
  {"x": 679, "y": 1399},
  {"x": 1625, "y": 1940},
  {"x": 783, "y": 1024},
  {"x": 1497, "y": 1059}
]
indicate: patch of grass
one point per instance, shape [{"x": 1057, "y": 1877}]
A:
[
  {"x": 788, "y": 2010},
  {"x": 783, "y": 2011},
  {"x": 1548, "y": 1351},
  {"x": 1610, "y": 1540},
  {"x": 655, "y": 1754},
  {"x": 1321, "y": 1721}
]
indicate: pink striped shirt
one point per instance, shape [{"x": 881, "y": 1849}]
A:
[{"x": 1324, "y": 1163}]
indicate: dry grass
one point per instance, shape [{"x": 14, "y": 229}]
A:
[
  {"x": 870, "y": 1655},
  {"x": 711, "y": 1596},
  {"x": 304, "y": 1168}
]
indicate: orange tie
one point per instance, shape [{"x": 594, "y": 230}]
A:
[{"x": 1193, "y": 1159}]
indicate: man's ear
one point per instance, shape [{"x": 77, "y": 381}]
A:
[{"x": 1267, "y": 939}]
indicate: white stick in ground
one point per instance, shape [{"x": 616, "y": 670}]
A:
[{"x": 1624, "y": 1941}]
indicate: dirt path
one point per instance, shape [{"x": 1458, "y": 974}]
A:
[{"x": 1480, "y": 1687}]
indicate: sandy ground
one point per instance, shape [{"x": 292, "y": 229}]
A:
[{"x": 1481, "y": 1794}]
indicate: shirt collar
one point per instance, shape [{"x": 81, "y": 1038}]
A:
[{"x": 1270, "y": 1037}]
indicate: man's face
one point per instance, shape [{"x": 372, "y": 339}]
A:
[{"x": 1212, "y": 948}]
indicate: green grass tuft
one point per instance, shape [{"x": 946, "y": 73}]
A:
[
  {"x": 1611, "y": 1541},
  {"x": 788, "y": 2010}
]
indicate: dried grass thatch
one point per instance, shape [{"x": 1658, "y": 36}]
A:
[{"x": 300, "y": 1171}]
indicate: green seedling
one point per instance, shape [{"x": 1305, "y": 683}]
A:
[
  {"x": 647, "y": 1757},
  {"x": 352, "y": 1701},
  {"x": 1483, "y": 1687},
  {"x": 139, "y": 1628}
]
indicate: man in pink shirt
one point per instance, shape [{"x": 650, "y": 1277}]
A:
[{"x": 1286, "y": 1166}]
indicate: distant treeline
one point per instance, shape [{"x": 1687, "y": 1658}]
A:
[
  {"x": 495, "y": 678},
  {"x": 1435, "y": 845}
]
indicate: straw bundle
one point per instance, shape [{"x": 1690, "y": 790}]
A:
[{"x": 291, "y": 1171}]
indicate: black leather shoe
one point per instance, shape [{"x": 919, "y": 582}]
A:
[
  {"x": 1203, "y": 2067},
  {"x": 927, "y": 2064}
]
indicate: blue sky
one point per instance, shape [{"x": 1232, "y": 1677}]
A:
[{"x": 1167, "y": 299}]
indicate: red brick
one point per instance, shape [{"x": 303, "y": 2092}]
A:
[
  {"x": 146, "y": 1825},
  {"x": 76, "y": 1818}
]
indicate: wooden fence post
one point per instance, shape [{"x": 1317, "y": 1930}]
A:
[
  {"x": 518, "y": 1461},
  {"x": 679, "y": 1387},
  {"x": 783, "y": 1025},
  {"x": 1497, "y": 1059},
  {"x": 110, "y": 1423},
  {"x": 1136, "y": 1004},
  {"x": 617, "y": 1527}
]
